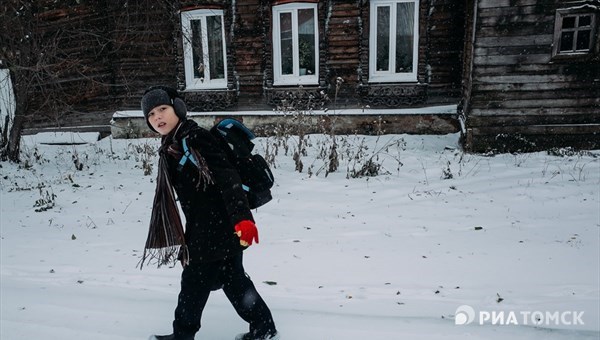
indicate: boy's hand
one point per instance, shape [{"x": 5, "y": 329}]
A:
[{"x": 247, "y": 232}]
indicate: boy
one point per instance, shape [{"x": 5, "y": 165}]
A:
[{"x": 219, "y": 224}]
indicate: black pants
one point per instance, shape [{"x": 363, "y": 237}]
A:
[{"x": 198, "y": 279}]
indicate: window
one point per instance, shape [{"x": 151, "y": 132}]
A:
[
  {"x": 393, "y": 40},
  {"x": 295, "y": 44},
  {"x": 204, "y": 51},
  {"x": 574, "y": 32}
]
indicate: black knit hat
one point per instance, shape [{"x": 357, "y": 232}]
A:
[{"x": 162, "y": 95}]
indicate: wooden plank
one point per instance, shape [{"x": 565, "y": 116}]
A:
[
  {"x": 525, "y": 79},
  {"x": 340, "y": 62},
  {"x": 345, "y": 21},
  {"x": 516, "y": 30},
  {"x": 505, "y": 3},
  {"x": 537, "y": 86},
  {"x": 513, "y": 59},
  {"x": 509, "y": 21},
  {"x": 517, "y": 69},
  {"x": 344, "y": 7},
  {"x": 513, "y": 11},
  {"x": 487, "y": 121},
  {"x": 529, "y": 143},
  {"x": 481, "y": 96},
  {"x": 570, "y": 129},
  {"x": 532, "y": 40},
  {"x": 537, "y": 103},
  {"x": 514, "y": 50},
  {"x": 345, "y": 37},
  {"x": 343, "y": 43},
  {"x": 347, "y": 52},
  {"x": 549, "y": 111}
]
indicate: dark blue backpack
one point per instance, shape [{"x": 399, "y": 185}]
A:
[{"x": 236, "y": 141}]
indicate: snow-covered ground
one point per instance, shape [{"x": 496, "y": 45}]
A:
[{"x": 513, "y": 237}]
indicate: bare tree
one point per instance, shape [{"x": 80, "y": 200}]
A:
[
  {"x": 32, "y": 55},
  {"x": 15, "y": 53},
  {"x": 61, "y": 54}
]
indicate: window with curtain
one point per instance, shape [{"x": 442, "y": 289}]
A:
[
  {"x": 393, "y": 40},
  {"x": 204, "y": 51},
  {"x": 295, "y": 44}
]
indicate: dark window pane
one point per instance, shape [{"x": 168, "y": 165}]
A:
[
  {"x": 215, "y": 47},
  {"x": 585, "y": 21},
  {"x": 306, "y": 41},
  {"x": 383, "y": 39},
  {"x": 568, "y": 22},
  {"x": 404, "y": 37},
  {"x": 566, "y": 41},
  {"x": 197, "y": 54},
  {"x": 583, "y": 40},
  {"x": 287, "y": 58}
]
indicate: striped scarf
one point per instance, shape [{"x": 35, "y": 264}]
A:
[{"x": 166, "y": 236}]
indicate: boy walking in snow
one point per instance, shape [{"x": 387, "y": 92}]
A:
[{"x": 219, "y": 223}]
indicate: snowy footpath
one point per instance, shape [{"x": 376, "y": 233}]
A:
[{"x": 439, "y": 245}]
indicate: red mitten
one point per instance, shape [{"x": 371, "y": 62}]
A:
[{"x": 247, "y": 232}]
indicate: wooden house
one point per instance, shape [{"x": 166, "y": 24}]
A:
[
  {"x": 376, "y": 66},
  {"x": 531, "y": 75}
]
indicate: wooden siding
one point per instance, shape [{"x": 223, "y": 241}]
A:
[
  {"x": 343, "y": 49},
  {"x": 144, "y": 48},
  {"x": 516, "y": 91},
  {"x": 82, "y": 78},
  {"x": 445, "y": 40}
]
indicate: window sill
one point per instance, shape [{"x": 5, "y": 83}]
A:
[
  {"x": 208, "y": 88},
  {"x": 574, "y": 58},
  {"x": 392, "y": 80},
  {"x": 302, "y": 82}
]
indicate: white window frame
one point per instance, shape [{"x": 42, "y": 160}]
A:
[
  {"x": 206, "y": 83},
  {"x": 295, "y": 78},
  {"x": 391, "y": 75}
]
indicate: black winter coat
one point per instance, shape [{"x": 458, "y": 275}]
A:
[{"x": 211, "y": 211}]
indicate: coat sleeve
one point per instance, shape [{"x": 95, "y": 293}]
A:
[{"x": 224, "y": 175}]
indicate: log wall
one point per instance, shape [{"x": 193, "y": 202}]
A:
[
  {"x": 518, "y": 96},
  {"x": 130, "y": 45}
]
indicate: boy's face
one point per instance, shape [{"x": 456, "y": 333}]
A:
[{"x": 163, "y": 119}]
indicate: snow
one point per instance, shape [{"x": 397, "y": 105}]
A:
[
  {"x": 64, "y": 138},
  {"x": 385, "y": 257},
  {"x": 438, "y": 110}
]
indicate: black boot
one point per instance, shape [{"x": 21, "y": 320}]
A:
[
  {"x": 162, "y": 337},
  {"x": 272, "y": 335},
  {"x": 169, "y": 337}
]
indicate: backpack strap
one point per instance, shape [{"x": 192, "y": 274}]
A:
[{"x": 186, "y": 155}]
